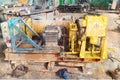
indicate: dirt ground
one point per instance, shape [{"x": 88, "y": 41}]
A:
[{"x": 103, "y": 70}]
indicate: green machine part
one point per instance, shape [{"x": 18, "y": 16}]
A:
[
  {"x": 100, "y": 3},
  {"x": 50, "y": 2},
  {"x": 68, "y": 2},
  {"x": 74, "y": 2},
  {"x": 61, "y": 2}
]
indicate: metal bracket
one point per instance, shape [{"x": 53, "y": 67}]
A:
[{"x": 15, "y": 29}]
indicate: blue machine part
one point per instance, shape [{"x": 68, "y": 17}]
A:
[
  {"x": 63, "y": 73},
  {"x": 16, "y": 32},
  {"x": 12, "y": 22}
]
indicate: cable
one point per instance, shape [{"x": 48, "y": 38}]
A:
[{"x": 114, "y": 59}]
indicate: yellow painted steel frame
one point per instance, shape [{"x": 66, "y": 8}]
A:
[
  {"x": 98, "y": 54},
  {"x": 95, "y": 30},
  {"x": 72, "y": 38}
]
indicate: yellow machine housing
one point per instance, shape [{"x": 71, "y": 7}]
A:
[
  {"x": 95, "y": 36},
  {"x": 73, "y": 38},
  {"x": 93, "y": 43}
]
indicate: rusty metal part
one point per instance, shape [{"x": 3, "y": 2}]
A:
[
  {"x": 75, "y": 64},
  {"x": 43, "y": 56},
  {"x": 19, "y": 70},
  {"x": 50, "y": 65},
  {"x": 111, "y": 74}
]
